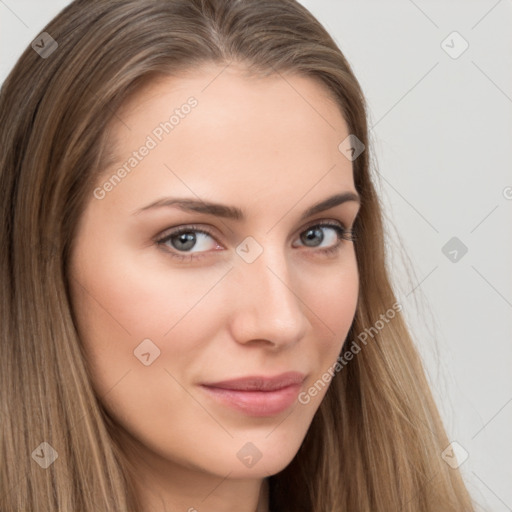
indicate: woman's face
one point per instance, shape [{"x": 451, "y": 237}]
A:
[{"x": 240, "y": 280}]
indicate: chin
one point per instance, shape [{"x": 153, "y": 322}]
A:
[{"x": 263, "y": 455}]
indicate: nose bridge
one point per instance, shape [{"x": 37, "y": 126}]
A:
[{"x": 267, "y": 303}]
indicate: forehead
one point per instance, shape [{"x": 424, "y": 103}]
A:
[{"x": 217, "y": 130}]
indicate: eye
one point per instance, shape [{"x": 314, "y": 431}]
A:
[
  {"x": 192, "y": 242},
  {"x": 188, "y": 240},
  {"x": 327, "y": 236}
]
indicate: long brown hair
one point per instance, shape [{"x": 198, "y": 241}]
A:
[{"x": 375, "y": 443}]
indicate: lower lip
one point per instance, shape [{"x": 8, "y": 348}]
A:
[{"x": 256, "y": 403}]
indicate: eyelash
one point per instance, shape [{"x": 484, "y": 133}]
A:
[{"x": 342, "y": 232}]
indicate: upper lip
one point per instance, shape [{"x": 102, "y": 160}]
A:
[{"x": 260, "y": 383}]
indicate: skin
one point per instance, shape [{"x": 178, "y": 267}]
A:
[{"x": 270, "y": 147}]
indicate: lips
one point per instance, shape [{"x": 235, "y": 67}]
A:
[
  {"x": 258, "y": 383},
  {"x": 257, "y": 395}
]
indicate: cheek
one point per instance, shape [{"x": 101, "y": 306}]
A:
[
  {"x": 333, "y": 303},
  {"x": 138, "y": 300},
  {"x": 338, "y": 299},
  {"x": 122, "y": 302},
  {"x": 143, "y": 331},
  {"x": 331, "y": 295}
]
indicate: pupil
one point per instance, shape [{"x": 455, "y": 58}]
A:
[
  {"x": 187, "y": 241},
  {"x": 311, "y": 234}
]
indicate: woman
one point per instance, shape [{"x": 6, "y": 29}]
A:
[{"x": 196, "y": 313}]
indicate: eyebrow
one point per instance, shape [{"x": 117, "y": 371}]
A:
[{"x": 234, "y": 213}]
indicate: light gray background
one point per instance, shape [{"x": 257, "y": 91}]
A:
[{"x": 442, "y": 138}]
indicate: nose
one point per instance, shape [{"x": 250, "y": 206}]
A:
[{"x": 266, "y": 307}]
